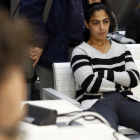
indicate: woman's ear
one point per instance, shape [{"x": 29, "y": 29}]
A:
[{"x": 86, "y": 24}]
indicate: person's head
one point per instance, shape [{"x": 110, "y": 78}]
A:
[
  {"x": 93, "y": 1},
  {"x": 15, "y": 37},
  {"x": 99, "y": 21},
  {"x": 105, "y": 2}
]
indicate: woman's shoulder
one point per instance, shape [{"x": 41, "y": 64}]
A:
[
  {"x": 118, "y": 46},
  {"x": 81, "y": 47}
]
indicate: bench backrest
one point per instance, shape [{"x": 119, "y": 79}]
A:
[
  {"x": 64, "y": 81},
  {"x": 135, "y": 50},
  {"x": 122, "y": 32}
]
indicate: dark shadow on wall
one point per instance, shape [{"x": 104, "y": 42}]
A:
[{"x": 122, "y": 9}]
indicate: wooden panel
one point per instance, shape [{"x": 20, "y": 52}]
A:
[
  {"x": 134, "y": 50},
  {"x": 62, "y": 71},
  {"x": 69, "y": 94},
  {"x": 137, "y": 95},
  {"x": 136, "y": 90},
  {"x": 138, "y": 68},
  {"x": 136, "y": 56},
  {"x": 67, "y": 88},
  {"x": 138, "y": 86},
  {"x": 122, "y": 32},
  {"x": 62, "y": 65},
  {"x": 137, "y": 62},
  {"x": 65, "y": 77},
  {"x": 69, "y": 82},
  {"x": 133, "y": 46}
]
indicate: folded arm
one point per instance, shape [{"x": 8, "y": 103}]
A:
[
  {"x": 129, "y": 78},
  {"x": 85, "y": 77}
]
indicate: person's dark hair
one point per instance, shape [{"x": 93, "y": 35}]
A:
[
  {"x": 90, "y": 12},
  {"x": 105, "y": 2}
]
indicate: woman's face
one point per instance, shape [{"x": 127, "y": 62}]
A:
[
  {"x": 98, "y": 25},
  {"x": 92, "y": 1}
]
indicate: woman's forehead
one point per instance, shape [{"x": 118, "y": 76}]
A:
[{"x": 99, "y": 15}]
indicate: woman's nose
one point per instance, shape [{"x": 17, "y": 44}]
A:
[{"x": 101, "y": 26}]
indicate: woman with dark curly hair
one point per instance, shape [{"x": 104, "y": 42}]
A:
[
  {"x": 114, "y": 35},
  {"x": 105, "y": 71}
]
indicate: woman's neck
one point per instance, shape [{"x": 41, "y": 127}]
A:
[{"x": 101, "y": 45}]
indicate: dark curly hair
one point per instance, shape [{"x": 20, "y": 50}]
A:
[
  {"x": 92, "y": 8},
  {"x": 105, "y": 2}
]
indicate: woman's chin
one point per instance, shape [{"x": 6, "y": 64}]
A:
[{"x": 101, "y": 38}]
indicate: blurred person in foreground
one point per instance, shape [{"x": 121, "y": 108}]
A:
[{"x": 14, "y": 40}]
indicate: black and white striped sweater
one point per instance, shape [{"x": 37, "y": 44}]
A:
[{"x": 97, "y": 73}]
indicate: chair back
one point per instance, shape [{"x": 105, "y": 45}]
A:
[
  {"x": 64, "y": 81},
  {"x": 122, "y": 32},
  {"x": 135, "y": 50}
]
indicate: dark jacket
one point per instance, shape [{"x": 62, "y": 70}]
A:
[
  {"x": 55, "y": 33},
  {"x": 133, "y": 26}
]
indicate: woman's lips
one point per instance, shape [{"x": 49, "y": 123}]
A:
[{"x": 102, "y": 33}]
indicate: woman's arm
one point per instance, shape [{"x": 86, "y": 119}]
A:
[
  {"x": 84, "y": 76},
  {"x": 129, "y": 78}
]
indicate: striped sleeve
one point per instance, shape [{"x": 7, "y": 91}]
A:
[
  {"x": 130, "y": 77},
  {"x": 84, "y": 75}
]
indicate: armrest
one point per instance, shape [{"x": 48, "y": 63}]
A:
[
  {"x": 126, "y": 131},
  {"x": 51, "y": 93}
]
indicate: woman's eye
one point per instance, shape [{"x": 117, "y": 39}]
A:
[
  {"x": 95, "y": 23},
  {"x": 105, "y": 21}
]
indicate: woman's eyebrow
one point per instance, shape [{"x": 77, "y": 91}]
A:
[
  {"x": 105, "y": 19},
  {"x": 99, "y": 20},
  {"x": 95, "y": 20}
]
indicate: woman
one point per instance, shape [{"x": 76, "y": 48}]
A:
[
  {"x": 114, "y": 35},
  {"x": 133, "y": 25},
  {"x": 107, "y": 4},
  {"x": 105, "y": 70}
]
